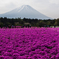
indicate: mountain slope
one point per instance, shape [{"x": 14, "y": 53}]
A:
[{"x": 24, "y": 11}]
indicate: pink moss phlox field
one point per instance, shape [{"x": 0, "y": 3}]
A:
[{"x": 29, "y": 43}]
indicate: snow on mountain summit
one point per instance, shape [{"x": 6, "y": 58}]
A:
[{"x": 24, "y": 7}]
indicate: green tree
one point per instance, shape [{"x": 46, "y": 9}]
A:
[
  {"x": 57, "y": 22},
  {"x": 1, "y": 24}
]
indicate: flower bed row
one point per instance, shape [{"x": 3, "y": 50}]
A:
[{"x": 29, "y": 43}]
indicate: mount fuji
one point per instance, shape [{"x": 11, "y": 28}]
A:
[{"x": 24, "y": 11}]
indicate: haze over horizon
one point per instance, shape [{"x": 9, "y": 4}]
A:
[{"x": 49, "y": 8}]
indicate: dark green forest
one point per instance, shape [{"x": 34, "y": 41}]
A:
[{"x": 34, "y": 22}]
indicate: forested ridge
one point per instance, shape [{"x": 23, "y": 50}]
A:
[{"x": 34, "y": 22}]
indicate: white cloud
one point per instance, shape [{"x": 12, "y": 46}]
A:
[{"x": 54, "y": 1}]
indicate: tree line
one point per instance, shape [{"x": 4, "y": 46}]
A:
[{"x": 34, "y": 22}]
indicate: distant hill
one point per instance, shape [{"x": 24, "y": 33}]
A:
[{"x": 24, "y": 11}]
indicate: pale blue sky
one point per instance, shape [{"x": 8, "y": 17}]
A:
[{"x": 47, "y": 7}]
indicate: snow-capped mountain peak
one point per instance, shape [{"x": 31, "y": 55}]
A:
[
  {"x": 22, "y": 7},
  {"x": 24, "y": 11}
]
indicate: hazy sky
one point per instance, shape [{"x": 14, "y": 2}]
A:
[{"x": 47, "y": 7}]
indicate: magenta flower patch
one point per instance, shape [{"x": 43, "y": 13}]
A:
[{"x": 29, "y": 43}]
